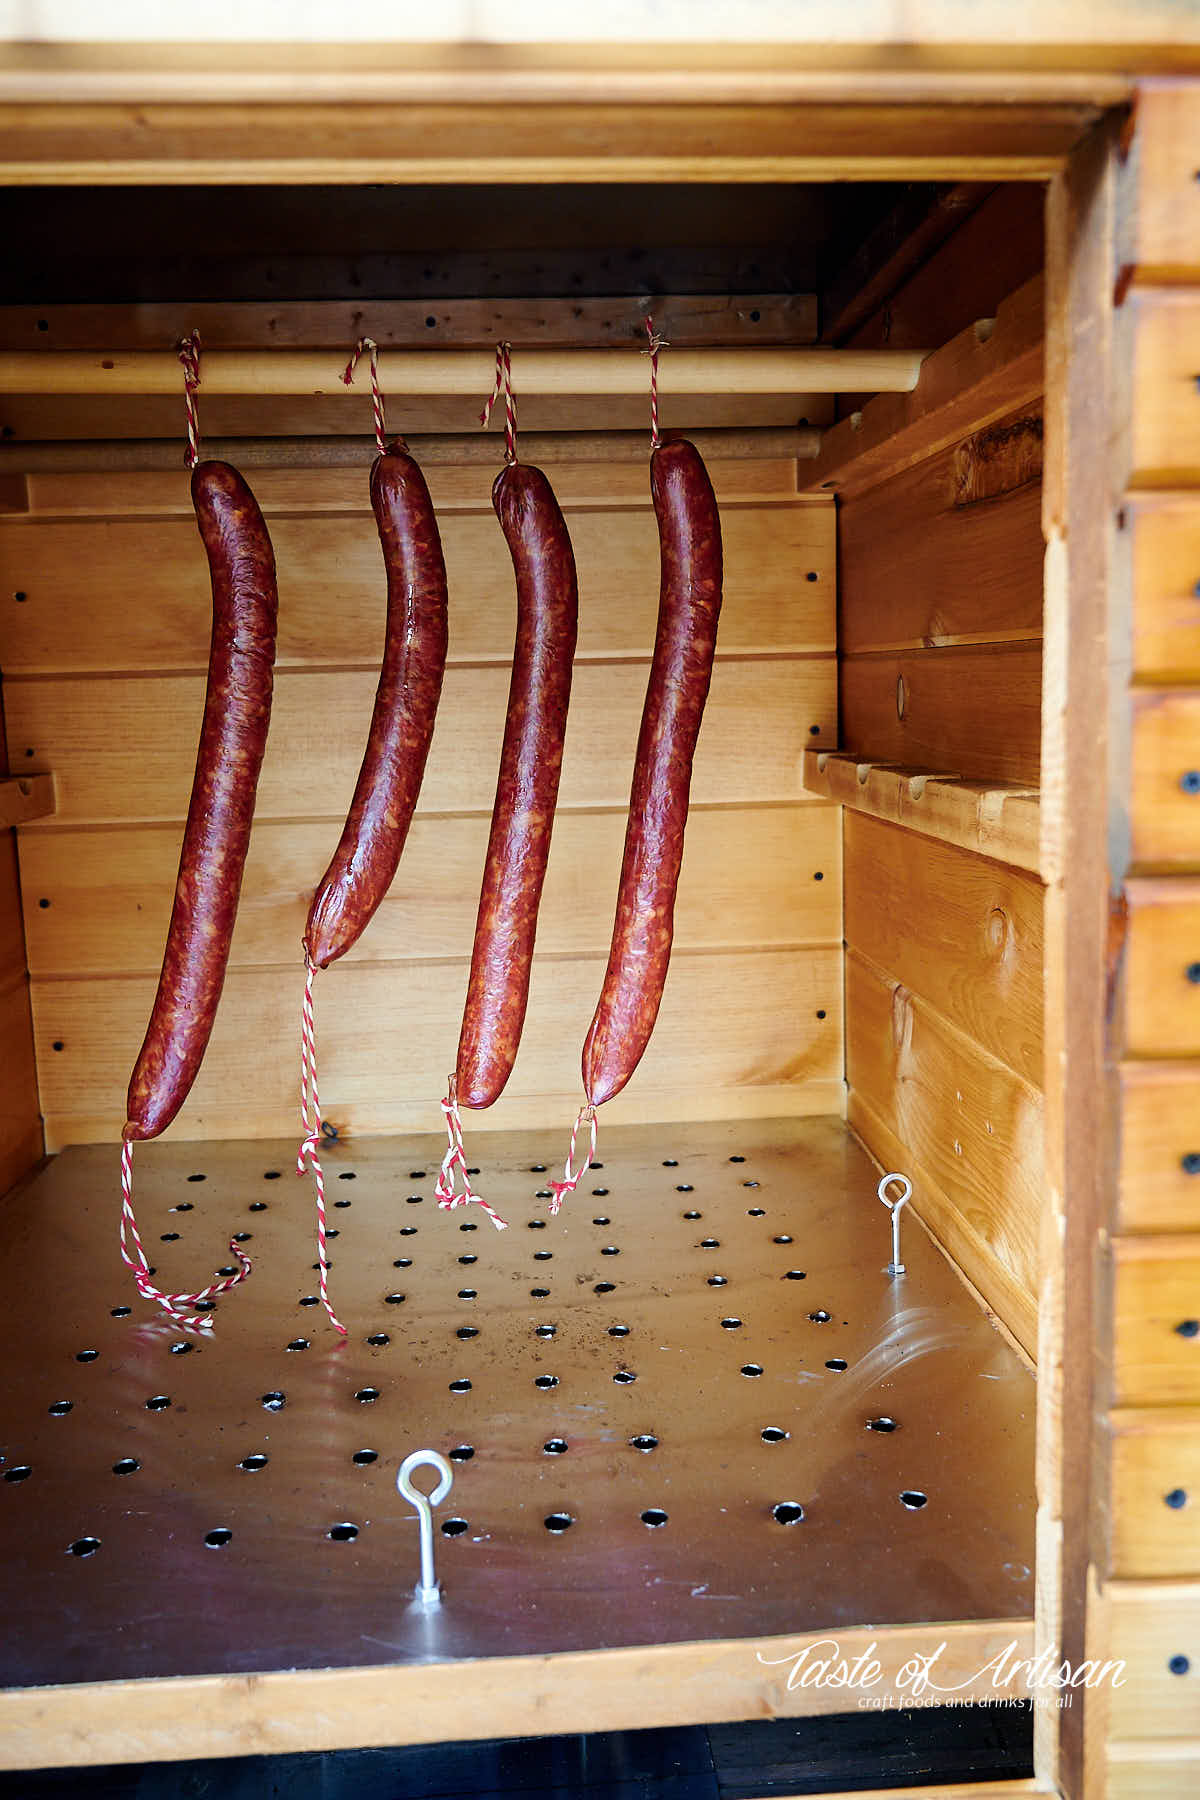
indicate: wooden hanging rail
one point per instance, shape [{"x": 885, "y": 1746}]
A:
[
  {"x": 995, "y": 818},
  {"x": 468, "y": 372}
]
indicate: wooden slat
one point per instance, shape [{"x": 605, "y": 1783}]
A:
[
  {"x": 1166, "y": 587},
  {"x": 1161, "y": 981},
  {"x": 1149, "y": 1624},
  {"x": 1160, "y": 1147},
  {"x": 960, "y": 931},
  {"x": 123, "y": 748},
  {"x": 1164, "y": 802},
  {"x": 979, "y": 376},
  {"x": 1156, "y": 1289},
  {"x": 25, "y": 797},
  {"x": 98, "y": 902},
  {"x": 996, "y": 821},
  {"x": 454, "y": 487},
  {"x": 950, "y": 551},
  {"x": 1155, "y": 1454},
  {"x": 973, "y": 712},
  {"x": 21, "y": 1139},
  {"x": 1164, "y": 328},
  {"x": 1146, "y": 1771},
  {"x": 581, "y": 140},
  {"x": 388, "y": 1035},
  {"x": 466, "y": 323},
  {"x": 1163, "y": 241},
  {"x": 928, "y": 1101},
  {"x": 78, "y": 578}
]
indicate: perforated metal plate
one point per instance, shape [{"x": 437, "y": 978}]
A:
[{"x": 693, "y": 1406}]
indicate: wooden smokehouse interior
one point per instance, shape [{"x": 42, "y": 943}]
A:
[{"x": 697, "y": 1389}]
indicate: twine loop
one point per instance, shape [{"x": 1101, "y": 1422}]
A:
[
  {"x": 655, "y": 343},
  {"x": 365, "y": 344},
  {"x": 503, "y": 385},
  {"x": 313, "y": 1131},
  {"x": 454, "y": 1163},
  {"x": 572, "y": 1177},
  {"x": 180, "y": 1307},
  {"x": 189, "y": 356}
]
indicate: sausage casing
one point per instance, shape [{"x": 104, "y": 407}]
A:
[
  {"x": 233, "y": 737},
  {"x": 406, "y": 701},
  {"x": 689, "y": 606},
  {"x": 527, "y": 788}
]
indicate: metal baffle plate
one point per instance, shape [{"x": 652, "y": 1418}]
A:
[{"x": 690, "y": 1407}]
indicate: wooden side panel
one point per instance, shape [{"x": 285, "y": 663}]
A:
[
  {"x": 1156, "y": 1321},
  {"x": 960, "y": 931},
  {"x": 21, "y": 1140},
  {"x": 1155, "y": 1493},
  {"x": 1154, "y": 1628},
  {"x": 928, "y": 1101},
  {"x": 973, "y": 712},
  {"x": 1162, "y": 968},
  {"x": 1160, "y": 1147},
  {"x": 106, "y": 655},
  {"x": 1166, "y": 586},
  {"x": 949, "y": 551}
]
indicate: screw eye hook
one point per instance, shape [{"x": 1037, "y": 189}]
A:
[
  {"x": 427, "y": 1589},
  {"x": 895, "y": 1267}
]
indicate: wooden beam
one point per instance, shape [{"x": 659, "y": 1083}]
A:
[
  {"x": 997, "y": 819},
  {"x": 447, "y": 448},
  {"x": 989, "y": 370},
  {"x": 915, "y": 226}
]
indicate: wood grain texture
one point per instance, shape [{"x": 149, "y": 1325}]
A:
[
  {"x": 1149, "y": 1624},
  {"x": 453, "y": 486},
  {"x": 921, "y": 563},
  {"x": 1164, "y": 801},
  {"x": 288, "y": 1711},
  {"x": 973, "y": 712},
  {"x": 79, "y": 578},
  {"x": 981, "y": 375},
  {"x": 387, "y": 1035},
  {"x": 1161, "y": 969},
  {"x": 927, "y": 1100},
  {"x": 748, "y": 880},
  {"x": 1163, "y": 240},
  {"x": 1155, "y": 1455},
  {"x": 1165, "y": 531},
  {"x": 959, "y": 931},
  {"x": 1156, "y": 1290},
  {"x": 1164, "y": 333},
  {"x": 1160, "y": 1147},
  {"x": 1002, "y": 822},
  {"x": 94, "y": 733},
  {"x": 1142, "y": 1770}
]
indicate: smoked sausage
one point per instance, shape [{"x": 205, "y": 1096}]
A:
[
  {"x": 689, "y": 531},
  {"x": 233, "y": 737},
  {"x": 527, "y": 789},
  {"x": 406, "y": 700}
]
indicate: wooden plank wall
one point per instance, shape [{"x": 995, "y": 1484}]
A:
[
  {"x": 21, "y": 1142},
  {"x": 1146, "y": 1606},
  {"x": 104, "y": 684},
  {"x": 940, "y": 620}
]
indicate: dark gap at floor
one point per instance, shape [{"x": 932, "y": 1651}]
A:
[{"x": 848, "y": 1752}]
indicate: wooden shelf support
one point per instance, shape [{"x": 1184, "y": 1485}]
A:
[
  {"x": 26, "y": 797},
  {"x": 997, "y": 819}
]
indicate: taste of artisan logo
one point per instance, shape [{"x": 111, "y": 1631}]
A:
[{"x": 917, "y": 1680}]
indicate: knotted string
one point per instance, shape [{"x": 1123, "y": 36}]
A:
[
  {"x": 572, "y": 1178},
  {"x": 310, "y": 1125},
  {"x": 366, "y": 343},
  {"x": 454, "y": 1160},
  {"x": 176, "y": 1305},
  {"x": 189, "y": 356},
  {"x": 504, "y": 384},
  {"x": 656, "y": 344}
]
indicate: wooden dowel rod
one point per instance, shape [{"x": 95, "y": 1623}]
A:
[
  {"x": 767, "y": 443},
  {"x": 471, "y": 372}
]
